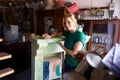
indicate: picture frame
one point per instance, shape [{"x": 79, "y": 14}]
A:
[
  {"x": 48, "y": 23},
  {"x": 100, "y": 13}
]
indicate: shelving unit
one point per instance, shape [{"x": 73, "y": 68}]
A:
[
  {"x": 102, "y": 32},
  {"x": 6, "y": 71},
  {"x": 105, "y": 32}
]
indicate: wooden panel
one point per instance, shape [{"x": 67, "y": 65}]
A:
[
  {"x": 57, "y": 16},
  {"x": 31, "y": 19}
]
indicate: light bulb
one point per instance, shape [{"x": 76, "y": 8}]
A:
[
  {"x": 27, "y": 4},
  {"x": 10, "y": 3}
]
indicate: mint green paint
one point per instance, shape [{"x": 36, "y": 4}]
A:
[{"x": 40, "y": 48}]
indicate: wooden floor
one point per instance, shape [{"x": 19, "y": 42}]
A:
[{"x": 25, "y": 75}]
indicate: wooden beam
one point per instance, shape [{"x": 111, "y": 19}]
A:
[{"x": 105, "y": 7}]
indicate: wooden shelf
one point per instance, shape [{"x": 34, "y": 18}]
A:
[
  {"x": 4, "y": 55},
  {"x": 6, "y": 71}
]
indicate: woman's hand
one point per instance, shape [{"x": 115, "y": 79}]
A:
[
  {"x": 60, "y": 43},
  {"x": 46, "y": 36}
]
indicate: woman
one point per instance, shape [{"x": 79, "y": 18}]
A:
[{"x": 74, "y": 41}]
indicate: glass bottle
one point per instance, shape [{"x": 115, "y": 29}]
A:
[{"x": 23, "y": 38}]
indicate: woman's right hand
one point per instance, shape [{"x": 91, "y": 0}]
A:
[{"x": 46, "y": 36}]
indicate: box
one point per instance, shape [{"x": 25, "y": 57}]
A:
[{"x": 11, "y": 33}]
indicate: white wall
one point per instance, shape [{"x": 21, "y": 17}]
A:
[
  {"x": 97, "y": 3},
  {"x": 89, "y": 3},
  {"x": 117, "y": 8}
]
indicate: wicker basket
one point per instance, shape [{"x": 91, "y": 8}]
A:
[{"x": 100, "y": 50}]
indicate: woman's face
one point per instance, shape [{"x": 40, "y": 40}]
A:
[{"x": 68, "y": 24}]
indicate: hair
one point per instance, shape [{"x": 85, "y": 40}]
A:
[{"x": 72, "y": 16}]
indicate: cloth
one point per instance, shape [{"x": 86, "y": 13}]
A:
[
  {"x": 70, "y": 40},
  {"x": 112, "y": 60}
]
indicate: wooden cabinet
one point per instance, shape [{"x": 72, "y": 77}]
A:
[
  {"x": 31, "y": 20},
  {"x": 102, "y": 32},
  {"x": 45, "y": 53},
  {"x": 47, "y": 18}
]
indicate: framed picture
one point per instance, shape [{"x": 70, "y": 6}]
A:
[
  {"x": 48, "y": 23},
  {"x": 100, "y": 13}
]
